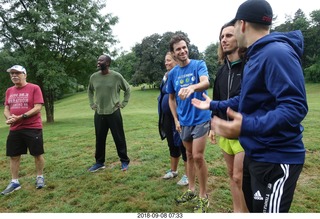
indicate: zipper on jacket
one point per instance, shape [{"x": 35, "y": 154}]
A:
[{"x": 230, "y": 82}]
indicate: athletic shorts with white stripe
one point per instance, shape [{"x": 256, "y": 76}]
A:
[{"x": 269, "y": 187}]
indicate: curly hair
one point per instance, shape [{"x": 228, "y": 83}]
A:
[{"x": 176, "y": 39}]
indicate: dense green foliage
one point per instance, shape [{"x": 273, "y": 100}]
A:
[
  {"x": 150, "y": 53},
  {"x": 59, "y": 41}
]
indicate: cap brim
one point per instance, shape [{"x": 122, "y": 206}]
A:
[
  {"x": 10, "y": 70},
  {"x": 233, "y": 21},
  {"x": 17, "y": 68}
]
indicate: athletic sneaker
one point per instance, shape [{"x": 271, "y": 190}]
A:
[
  {"x": 170, "y": 174},
  {"x": 186, "y": 197},
  {"x": 11, "y": 188},
  {"x": 183, "y": 181},
  {"x": 124, "y": 166},
  {"x": 96, "y": 167},
  {"x": 40, "y": 182},
  {"x": 202, "y": 205}
]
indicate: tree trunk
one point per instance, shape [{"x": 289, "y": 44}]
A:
[{"x": 49, "y": 105}]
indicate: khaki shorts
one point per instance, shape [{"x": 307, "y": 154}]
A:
[{"x": 230, "y": 146}]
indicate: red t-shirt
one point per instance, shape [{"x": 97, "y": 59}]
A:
[{"x": 22, "y": 99}]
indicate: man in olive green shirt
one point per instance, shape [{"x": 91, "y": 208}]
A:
[{"x": 104, "y": 98}]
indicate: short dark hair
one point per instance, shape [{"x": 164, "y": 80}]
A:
[
  {"x": 108, "y": 58},
  {"x": 177, "y": 38}
]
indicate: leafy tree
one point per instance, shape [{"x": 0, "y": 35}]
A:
[
  {"x": 57, "y": 41},
  {"x": 126, "y": 65},
  {"x": 315, "y": 18},
  {"x": 211, "y": 59},
  {"x": 312, "y": 38},
  {"x": 150, "y": 58},
  {"x": 5, "y": 82},
  {"x": 312, "y": 73}
]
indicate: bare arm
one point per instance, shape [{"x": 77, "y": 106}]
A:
[
  {"x": 13, "y": 118},
  {"x": 173, "y": 109},
  {"x": 35, "y": 110},
  {"x": 6, "y": 112}
]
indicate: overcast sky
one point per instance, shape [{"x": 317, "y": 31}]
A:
[{"x": 200, "y": 19}]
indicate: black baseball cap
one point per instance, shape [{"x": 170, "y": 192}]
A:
[{"x": 255, "y": 11}]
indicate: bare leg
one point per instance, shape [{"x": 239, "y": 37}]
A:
[
  {"x": 39, "y": 161},
  {"x": 198, "y": 148},
  {"x": 185, "y": 168},
  {"x": 14, "y": 166},
  {"x": 190, "y": 165},
  {"x": 235, "y": 172},
  {"x": 174, "y": 161}
]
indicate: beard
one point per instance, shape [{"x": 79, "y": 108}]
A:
[
  {"x": 103, "y": 66},
  {"x": 228, "y": 52}
]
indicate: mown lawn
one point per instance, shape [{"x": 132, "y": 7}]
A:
[{"x": 69, "y": 145}]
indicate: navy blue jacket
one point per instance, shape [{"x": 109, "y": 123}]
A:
[{"x": 273, "y": 100}]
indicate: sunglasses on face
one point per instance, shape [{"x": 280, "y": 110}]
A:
[{"x": 16, "y": 73}]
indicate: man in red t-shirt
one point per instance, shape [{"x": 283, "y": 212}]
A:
[{"x": 23, "y": 104}]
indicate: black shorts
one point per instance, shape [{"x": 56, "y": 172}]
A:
[
  {"x": 269, "y": 187},
  {"x": 18, "y": 142}
]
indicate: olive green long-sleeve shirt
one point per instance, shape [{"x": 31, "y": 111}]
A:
[{"x": 104, "y": 92}]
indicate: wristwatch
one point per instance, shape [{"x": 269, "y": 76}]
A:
[{"x": 24, "y": 116}]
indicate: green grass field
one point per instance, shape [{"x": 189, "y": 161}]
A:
[{"x": 69, "y": 146}]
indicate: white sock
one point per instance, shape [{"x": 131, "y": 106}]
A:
[{"x": 15, "y": 180}]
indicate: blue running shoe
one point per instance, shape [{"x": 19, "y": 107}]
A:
[
  {"x": 183, "y": 181},
  {"x": 11, "y": 188},
  {"x": 124, "y": 166},
  {"x": 96, "y": 167},
  {"x": 40, "y": 182},
  {"x": 170, "y": 174}
]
